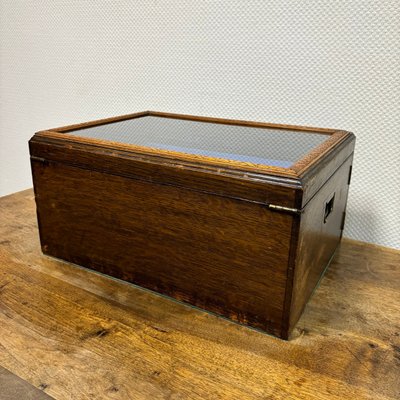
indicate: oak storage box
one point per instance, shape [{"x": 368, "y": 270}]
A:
[{"x": 238, "y": 218}]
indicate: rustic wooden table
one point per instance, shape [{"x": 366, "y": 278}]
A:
[{"x": 78, "y": 335}]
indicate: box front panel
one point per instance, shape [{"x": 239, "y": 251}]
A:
[{"x": 224, "y": 255}]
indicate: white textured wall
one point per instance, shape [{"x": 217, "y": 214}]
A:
[{"x": 326, "y": 63}]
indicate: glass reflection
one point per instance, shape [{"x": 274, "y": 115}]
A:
[{"x": 266, "y": 146}]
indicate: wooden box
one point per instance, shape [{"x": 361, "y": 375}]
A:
[{"x": 238, "y": 218}]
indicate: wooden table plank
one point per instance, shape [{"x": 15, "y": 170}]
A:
[{"x": 81, "y": 335}]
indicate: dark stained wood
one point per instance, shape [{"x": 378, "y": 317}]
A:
[
  {"x": 222, "y": 182},
  {"x": 224, "y": 255},
  {"x": 316, "y": 176},
  {"x": 317, "y": 240},
  {"x": 81, "y": 335},
  {"x": 199, "y": 229}
]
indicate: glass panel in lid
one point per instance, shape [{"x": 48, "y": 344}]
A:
[{"x": 257, "y": 145}]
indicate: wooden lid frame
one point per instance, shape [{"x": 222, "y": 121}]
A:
[
  {"x": 297, "y": 175},
  {"x": 295, "y": 170}
]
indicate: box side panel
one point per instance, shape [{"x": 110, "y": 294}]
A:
[
  {"x": 314, "y": 178},
  {"x": 225, "y": 255},
  {"x": 320, "y": 231}
]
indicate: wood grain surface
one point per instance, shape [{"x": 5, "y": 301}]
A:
[
  {"x": 221, "y": 182},
  {"x": 223, "y": 255},
  {"x": 81, "y": 335},
  {"x": 200, "y": 232},
  {"x": 317, "y": 240}
]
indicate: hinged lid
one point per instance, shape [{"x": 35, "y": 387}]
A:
[{"x": 247, "y": 160}]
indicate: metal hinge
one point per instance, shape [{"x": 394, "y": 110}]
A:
[
  {"x": 38, "y": 159},
  {"x": 284, "y": 209},
  {"x": 41, "y": 160}
]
